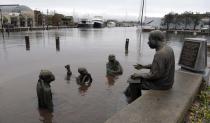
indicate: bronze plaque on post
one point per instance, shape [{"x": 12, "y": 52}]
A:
[{"x": 189, "y": 54}]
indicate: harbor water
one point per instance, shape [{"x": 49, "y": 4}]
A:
[{"x": 89, "y": 48}]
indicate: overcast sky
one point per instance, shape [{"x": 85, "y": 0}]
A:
[{"x": 121, "y": 8}]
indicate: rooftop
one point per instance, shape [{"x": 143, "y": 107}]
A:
[{"x": 14, "y": 8}]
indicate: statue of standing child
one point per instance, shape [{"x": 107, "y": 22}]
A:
[{"x": 43, "y": 88}]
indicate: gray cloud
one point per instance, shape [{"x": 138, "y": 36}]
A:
[{"x": 115, "y": 7}]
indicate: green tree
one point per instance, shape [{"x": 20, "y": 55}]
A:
[
  {"x": 168, "y": 20},
  {"x": 5, "y": 20},
  {"x": 195, "y": 20},
  {"x": 187, "y": 18},
  {"x": 176, "y": 20}
]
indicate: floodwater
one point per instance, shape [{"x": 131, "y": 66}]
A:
[{"x": 73, "y": 103}]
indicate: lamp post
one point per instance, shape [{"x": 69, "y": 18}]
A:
[
  {"x": 209, "y": 24},
  {"x": 1, "y": 20},
  {"x": 1, "y": 23},
  {"x": 47, "y": 19}
]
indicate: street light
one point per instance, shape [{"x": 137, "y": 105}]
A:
[
  {"x": 47, "y": 19},
  {"x": 2, "y": 24},
  {"x": 209, "y": 24},
  {"x": 1, "y": 19}
]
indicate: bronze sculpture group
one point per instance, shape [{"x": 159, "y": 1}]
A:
[{"x": 160, "y": 77}]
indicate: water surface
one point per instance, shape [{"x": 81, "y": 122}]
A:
[{"x": 88, "y": 48}]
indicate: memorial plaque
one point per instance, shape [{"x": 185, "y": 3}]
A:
[
  {"x": 194, "y": 55},
  {"x": 189, "y": 53}
]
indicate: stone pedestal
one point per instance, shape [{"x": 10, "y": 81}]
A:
[{"x": 205, "y": 75}]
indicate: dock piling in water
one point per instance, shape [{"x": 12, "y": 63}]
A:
[
  {"x": 57, "y": 39},
  {"x": 126, "y": 45},
  {"x": 27, "y": 42}
]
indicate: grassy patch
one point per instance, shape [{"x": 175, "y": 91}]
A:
[{"x": 200, "y": 109}]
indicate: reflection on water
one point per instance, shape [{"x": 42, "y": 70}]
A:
[
  {"x": 45, "y": 116},
  {"x": 27, "y": 41},
  {"x": 83, "y": 87},
  {"x": 78, "y": 47},
  {"x": 57, "y": 43},
  {"x": 111, "y": 80},
  {"x": 126, "y": 52},
  {"x": 139, "y": 41},
  {"x": 68, "y": 78}
]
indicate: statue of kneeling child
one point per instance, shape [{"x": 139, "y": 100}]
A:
[{"x": 84, "y": 76}]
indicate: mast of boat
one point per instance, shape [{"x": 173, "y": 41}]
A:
[
  {"x": 142, "y": 13},
  {"x": 125, "y": 21},
  {"x": 141, "y": 24}
]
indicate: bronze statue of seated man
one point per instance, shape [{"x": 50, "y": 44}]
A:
[
  {"x": 43, "y": 89},
  {"x": 162, "y": 69}
]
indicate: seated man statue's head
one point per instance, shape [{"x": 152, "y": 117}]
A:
[{"x": 156, "y": 39}]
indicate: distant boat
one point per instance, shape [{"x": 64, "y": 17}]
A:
[
  {"x": 111, "y": 24},
  {"x": 144, "y": 26},
  {"x": 147, "y": 28},
  {"x": 208, "y": 48},
  {"x": 98, "y": 22},
  {"x": 85, "y": 23}
]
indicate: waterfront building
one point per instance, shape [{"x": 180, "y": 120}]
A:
[
  {"x": 39, "y": 18},
  {"x": 68, "y": 21},
  {"x": 16, "y": 16}
]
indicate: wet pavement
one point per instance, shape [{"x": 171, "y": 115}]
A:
[{"x": 20, "y": 67}]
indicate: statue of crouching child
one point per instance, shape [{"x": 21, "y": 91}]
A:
[
  {"x": 43, "y": 89},
  {"x": 84, "y": 76}
]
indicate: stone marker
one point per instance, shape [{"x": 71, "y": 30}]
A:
[{"x": 193, "y": 56}]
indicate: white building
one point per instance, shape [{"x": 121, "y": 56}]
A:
[{"x": 15, "y": 15}]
